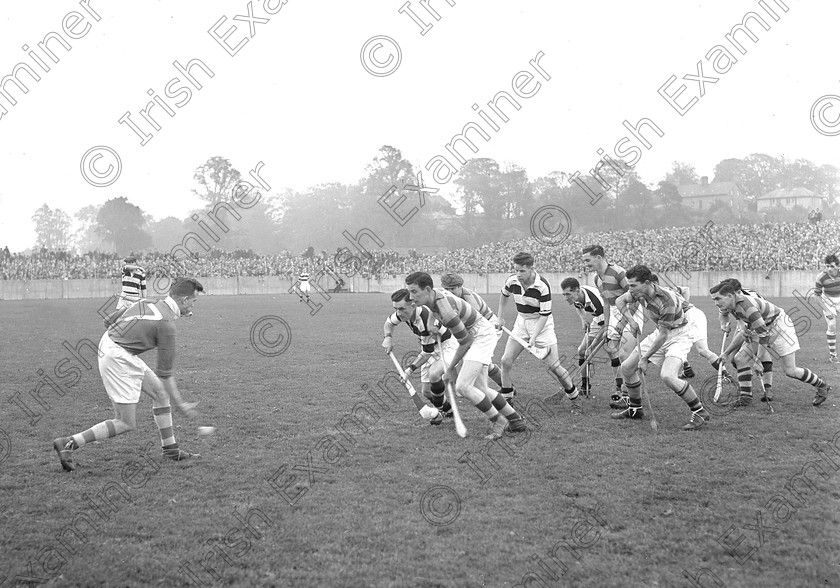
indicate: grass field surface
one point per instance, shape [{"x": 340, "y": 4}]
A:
[{"x": 320, "y": 476}]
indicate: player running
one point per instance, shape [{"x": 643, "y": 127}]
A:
[
  {"x": 534, "y": 324},
  {"x": 454, "y": 283},
  {"x": 667, "y": 346},
  {"x": 768, "y": 326},
  {"x": 612, "y": 283},
  {"x": 146, "y": 325},
  {"x": 476, "y": 341},
  {"x": 419, "y": 319},
  {"x": 133, "y": 283},
  {"x": 828, "y": 291}
]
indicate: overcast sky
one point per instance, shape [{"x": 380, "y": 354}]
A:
[{"x": 297, "y": 97}]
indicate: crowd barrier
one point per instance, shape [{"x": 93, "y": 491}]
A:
[{"x": 776, "y": 284}]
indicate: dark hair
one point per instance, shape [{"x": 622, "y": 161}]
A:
[
  {"x": 400, "y": 295},
  {"x": 654, "y": 278},
  {"x": 640, "y": 273},
  {"x": 595, "y": 250},
  {"x": 185, "y": 287},
  {"x": 725, "y": 289},
  {"x": 421, "y": 279},
  {"x": 524, "y": 258},
  {"x": 831, "y": 258},
  {"x": 734, "y": 281},
  {"x": 570, "y": 283}
]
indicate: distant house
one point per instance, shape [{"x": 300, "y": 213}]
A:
[
  {"x": 793, "y": 197},
  {"x": 703, "y": 195}
]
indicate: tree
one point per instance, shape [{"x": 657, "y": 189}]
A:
[
  {"x": 122, "y": 224},
  {"x": 86, "y": 238},
  {"x": 682, "y": 174},
  {"x": 166, "y": 233},
  {"x": 667, "y": 195},
  {"x": 52, "y": 228},
  {"x": 216, "y": 179}
]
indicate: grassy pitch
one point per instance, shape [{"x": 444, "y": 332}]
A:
[{"x": 320, "y": 476}]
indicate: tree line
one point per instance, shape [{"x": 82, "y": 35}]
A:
[{"x": 492, "y": 202}]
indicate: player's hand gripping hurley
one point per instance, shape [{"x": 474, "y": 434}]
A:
[
  {"x": 456, "y": 414},
  {"x": 719, "y": 387},
  {"x": 425, "y": 410}
]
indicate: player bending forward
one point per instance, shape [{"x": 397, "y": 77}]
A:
[
  {"x": 454, "y": 283},
  {"x": 768, "y": 326},
  {"x": 534, "y": 324},
  {"x": 149, "y": 324},
  {"x": 476, "y": 341},
  {"x": 419, "y": 319},
  {"x": 667, "y": 346},
  {"x": 828, "y": 291}
]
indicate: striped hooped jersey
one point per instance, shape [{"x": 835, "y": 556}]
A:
[
  {"x": 752, "y": 294},
  {"x": 533, "y": 301},
  {"x": 478, "y": 303},
  {"x": 304, "y": 277},
  {"x": 758, "y": 314},
  {"x": 827, "y": 284},
  {"x": 456, "y": 314},
  {"x": 146, "y": 325},
  {"x": 613, "y": 283},
  {"x": 666, "y": 308},
  {"x": 419, "y": 323},
  {"x": 133, "y": 282},
  {"x": 592, "y": 303}
]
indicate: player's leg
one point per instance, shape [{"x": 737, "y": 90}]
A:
[
  {"x": 831, "y": 336},
  {"x": 585, "y": 384},
  {"x": 494, "y": 372},
  {"x": 675, "y": 354},
  {"x": 565, "y": 379},
  {"x": 632, "y": 403},
  {"x": 744, "y": 362},
  {"x": 766, "y": 360},
  {"x": 431, "y": 376},
  {"x": 162, "y": 413},
  {"x": 512, "y": 351},
  {"x": 785, "y": 344}
]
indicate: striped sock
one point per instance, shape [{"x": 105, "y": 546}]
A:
[
  {"x": 572, "y": 393},
  {"x": 810, "y": 377},
  {"x": 507, "y": 411},
  {"x": 634, "y": 392},
  {"x": 832, "y": 343},
  {"x": 716, "y": 363},
  {"x": 485, "y": 406},
  {"x": 438, "y": 388},
  {"x": 495, "y": 374},
  {"x": 163, "y": 420},
  {"x": 689, "y": 396},
  {"x": 745, "y": 381},
  {"x": 767, "y": 378},
  {"x": 98, "y": 432}
]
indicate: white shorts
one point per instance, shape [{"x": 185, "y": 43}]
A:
[
  {"x": 484, "y": 342},
  {"x": 697, "y": 324},
  {"x": 783, "y": 339},
  {"x": 525, "y": 328},
  {"x": 304, "y": 287},
  {"x": 835, "y": 300},
  {"x": 677, "y": 344},
  {"x": 447, "y": 349},
  {"x": 615, "y": 318},
  {"x": 126, "y": 301},
  {"x": 122, "y": 373}
]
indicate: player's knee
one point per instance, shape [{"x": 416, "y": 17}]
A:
[
  {"x": 128, "y": 423},
  {"x": 791, "y": 371},
  {"x": 507, "y": 362}
]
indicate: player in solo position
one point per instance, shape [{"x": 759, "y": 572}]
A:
[
  {"x": 667, "y": 346},
  {"x": 133, "y": 283},
  {"x": 766, "y": 325},
  {"x": 476, "y": 342},
  {"x": 304, "y": 286},
  {"x": 828, "y": 291},
  {"x": 534, "y": 324},
  {"x": 419, "y": 319},
  {"x": 149, "y": 324}
]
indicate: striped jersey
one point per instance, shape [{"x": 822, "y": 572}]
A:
[
  {"x": 613, "y": 283},
  {"x": 592, "y": 303},
  {"x": 758, "y": 314},
  {"x": 419, "y": 323},
  {"x": 146, "y": 325},
  {"x": 665, "y": 307},
  {"x": 304, "y": 277},
  {"x": 746, "y": 292},
  {"x": 533, "y": 301},
  {"x": 133, "y": 282},
  {"x": 478, "y": 303},
  {"x": 456, "y": 314},
  {"x": 827, "y": 284}
]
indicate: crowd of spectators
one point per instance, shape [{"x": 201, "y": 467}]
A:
[{"x": 767, "y": 246}]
